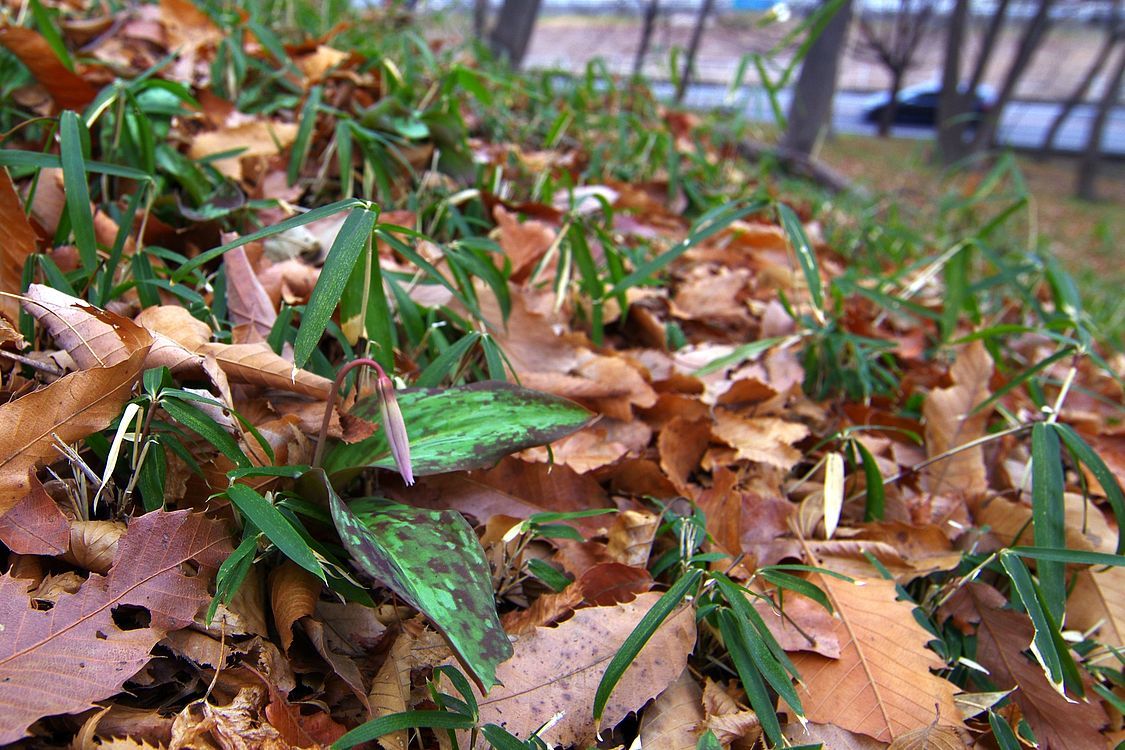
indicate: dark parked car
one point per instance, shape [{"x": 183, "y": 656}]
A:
[{"x": 918, "y": 105}]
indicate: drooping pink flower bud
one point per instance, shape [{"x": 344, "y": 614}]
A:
[{"x": 395, "y": 427}]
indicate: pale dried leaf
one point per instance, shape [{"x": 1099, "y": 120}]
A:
[
  {"x": 17, "y": 241},
  {"x": 293, "y": 595},
  {"x": 767, "y": 440},
  {"x": 671, "y": 721},
  {"x": 631, "y": 535},
  {"x": 247, "y": 301},
  {"x": 933, "y": 737},
  {"x": 257, "y": 364},
  {"x": 92, "y": 337},
  {"x": 558, "y": 669},
  {"x": 949, "y": 424},
  {"x": 1098, "y": 600},
  {"x": 881, "y": 685},
  {"x": 258, "y": 138},
  {"x": 390, "y": 690}
]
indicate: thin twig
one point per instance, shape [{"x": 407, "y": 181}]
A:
[{"x": 33, "y": 363}]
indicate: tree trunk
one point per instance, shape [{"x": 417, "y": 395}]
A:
[
  {"x": 693, "y": 49},
  {"x": 1029, "y": 43},
  {"x": 480, "y": 18},
  {"x": 1113, "y": 33},
  {"x": 811, "y": 108},
  {"x": 648, "y": 23},
  {"x": 1086, "y": 183},
  {"x": 512, "y": 32},
  {"x": 952, "y": 104},
  {"x": 988, "y": 44},
  {"x": 887, "y": 118}
]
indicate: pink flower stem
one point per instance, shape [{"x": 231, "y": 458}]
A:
[{"x": 342, "y": 373}]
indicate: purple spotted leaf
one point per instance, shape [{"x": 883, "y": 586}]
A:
[{"x": 433, "y": 561}]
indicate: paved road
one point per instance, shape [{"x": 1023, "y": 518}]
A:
[{"x": 1023, "y": 124}]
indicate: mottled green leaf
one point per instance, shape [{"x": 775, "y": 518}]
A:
[
  {"x": 465, "y": 427},
  {"x": 433, "y": 561}
]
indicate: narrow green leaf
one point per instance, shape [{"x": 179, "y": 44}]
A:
[
  {"x": 207, "y": 428},
  {"x": 50, "y": 33},
  {"x": 274, "y": 525},
  {"x": 765, "y": 655},
  {"x": 708, "y": 741},
  {"x": 1106, "y": 478},
  {"x": 329, "y": 287},
  {"x": 1069, "y": 556},
  {"x": 798, "y": 585},
  {"x": 152, "y": 475},
  {"x": 36, "y": 160},
  {"x": 464, "y": 427},
  {"x": 291, "y": 223},
  {"x": 434, "y": 562},
  {"x": 876, "y": 494},
  {"x": 752, "y": 682},
  {"x": 406, "y": 720},
  {"x": 77, "y": 191},
  {"x": 805, "y": 256},
  {"x": 501, "y": 739},
  {"x": 304, "y": 134},
  {"x": 1048, "y": 513},
  {"x": 739, "y": 355},
  {"x": 233, "y": 572},
  {"x": 636, "y": 641},
  {"x": 1003, "y": 733},
  {"x": 448, "y": 362},
  {"x": 1050, "y": 650}
]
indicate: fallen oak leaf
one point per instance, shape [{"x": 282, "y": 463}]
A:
[
  {"x": 950, "y": 423},
  {"x": 558, "y": 670},
  {"x": 67, "y": 88},
  {"x": 671, "y": 721},
  {"x": 69, "y": 409},
  {"x": 881, "y": 685},
  {"x": 35, "y": 526},
  {"x": 62, "y": 660}
]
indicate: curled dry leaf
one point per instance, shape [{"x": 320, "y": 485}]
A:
[
  {"x": 950, "y": 423},
  {"x": 247, "y": 301},
  {"x": 17, "y": 241},
  {"x": 67, "y": 88},
  {"x": 558, "y": 669},
  {"x": 258, "y": 138},
  {"x": 293, "y": 595},
  {"x": 631, "y": 535},
  {"x": 725, "y": 718},
  {"x": 71, "y": 408},
  {"x": 672, "y": 721},
  {"x": 60, "y": 661},
  {"x": 933, "y": 737},
  {"x": 92, "y": 337},
  {"x": 93, "y": 544},
  {"x": 881, "y": 685}
]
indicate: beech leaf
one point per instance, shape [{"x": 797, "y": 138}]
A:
[
  {"x": 557, "y": 670},
  {"x": 62, "y": 660},
  {"x": 881, "y": 685}
]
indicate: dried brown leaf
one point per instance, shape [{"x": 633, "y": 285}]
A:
[
  {"x": 35, "y": 526},
  {"x": 1098, "y": 600},
  {"x": 767, "y": 440},
  {"x": 671, "y": 721},
  {"x": 558, "y": 669},
  {"x": 630, "y": 537},
  {"x": 881, "y": 685},
  {"x": 92, "y": 337},
  {"x": 70, "y": 408},
  {"x": 950, "y": 423},
  {"x": 933, "y": 737},
  {"x": 259, "y": 138},
  {"x": 390, "y": 690},
  {"x": 293, "y": 595},
  {"x": 247, "y": 301},
  {"x": 62, "y": 660},
  {"x": 1002, "y": 637},
  {"x": 17, "y": 241},
  {"x": 67, "y": 88},
  {"x": 93, "y": 544}
]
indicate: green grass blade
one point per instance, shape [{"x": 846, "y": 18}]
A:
[
  {"x": 200, "y": 423},
  {"x": 295, "y": 221},
  {"x": 36, "y": 160},
  {"x": 1106, "y": 478},
  {"x": 406, "y": 720},
  {"x": 448, "y": 362},
  {"x": 1003, "y": 733},
  {"x": 1069, "y": 556},
  {"x": 77, "y": 191},
  {"x": 333, "y": 278},
  {"x": 636, "y": 641},
  {"x": 876, "y": 494},
  {"x": 752, "y": 681},
  {"x": 805, "y": 256},
  {"x": 300, "y": 150},
  {"x": 1048, "y": 513},
  {"x": 275, "y": 526}
]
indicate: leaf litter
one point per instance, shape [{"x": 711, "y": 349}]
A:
[{"x": 712, "y": 392}]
